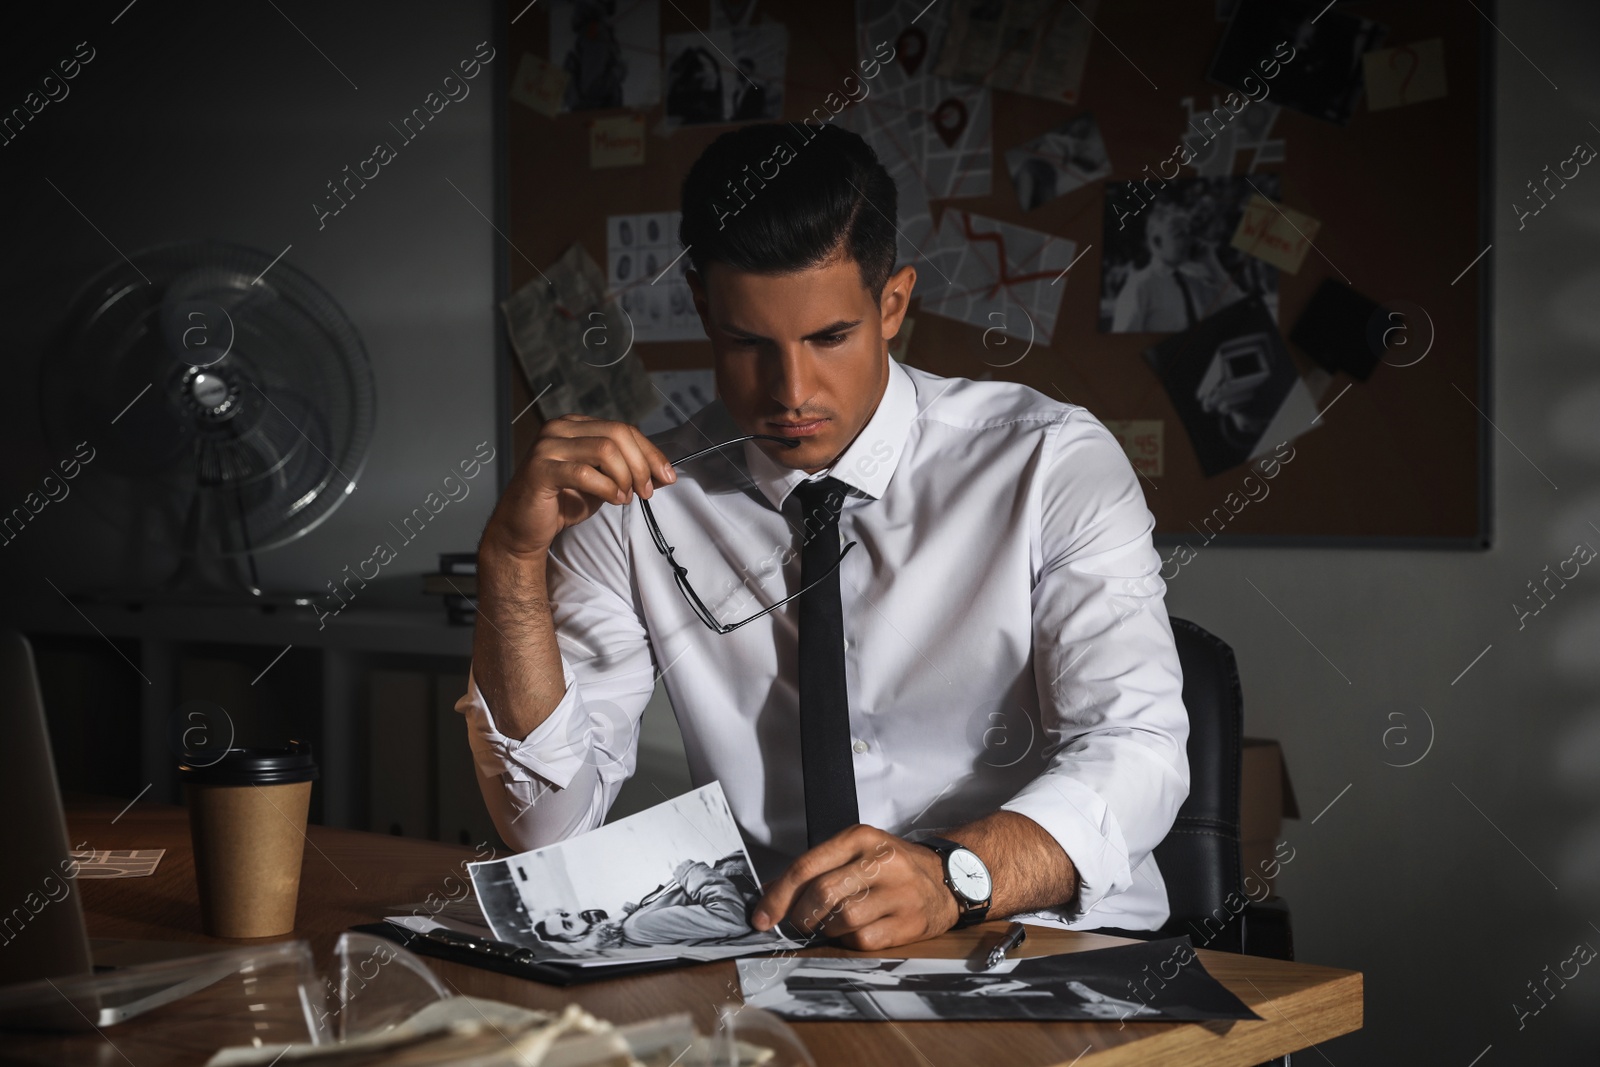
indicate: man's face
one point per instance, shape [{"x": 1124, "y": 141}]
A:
[
  {"x": 559, "y": 924},
  {"x": 801, "y": 355}
]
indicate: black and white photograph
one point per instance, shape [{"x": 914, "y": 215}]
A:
[
  {"x": 1227, "y": 378},
  {"x": 667, "y": 881},
  {"x": 1053, "y": 164},
  {"x": 610, "y": 50},
  {"x": 731, "y": 75},
  {"x": 1167, "y": 262},
  {"x": 1149, "y": 981},
  {"x": 1314, "y": 48}
]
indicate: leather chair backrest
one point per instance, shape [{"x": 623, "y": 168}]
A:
[{"x": 1199, "y": 858}]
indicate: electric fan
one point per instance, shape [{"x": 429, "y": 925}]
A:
[{"x": 229, "y": 402}]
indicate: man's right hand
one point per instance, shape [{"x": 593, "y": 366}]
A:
[{"x": 577, "y": 464}]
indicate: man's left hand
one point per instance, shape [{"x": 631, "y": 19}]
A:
[{"x": 868, "y": 888}]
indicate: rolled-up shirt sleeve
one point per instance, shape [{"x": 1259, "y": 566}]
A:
[
  {"x": 561, "y": 779},
  {"x": 1106, "y": 668}
]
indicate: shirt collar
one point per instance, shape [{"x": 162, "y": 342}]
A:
[{"x": 870, "y": 461}]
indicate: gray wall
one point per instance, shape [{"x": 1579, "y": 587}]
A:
[
  {"x": 1453, "y": 883},
  {"x": 196, "y": 121}
]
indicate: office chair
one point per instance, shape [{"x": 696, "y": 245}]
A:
[{"x": 1199, "y": 857}]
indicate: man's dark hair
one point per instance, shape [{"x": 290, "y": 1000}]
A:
[{"x": 774, "y": 198}]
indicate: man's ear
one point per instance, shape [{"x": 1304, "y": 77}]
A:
[{"x": 896, "y": 299}]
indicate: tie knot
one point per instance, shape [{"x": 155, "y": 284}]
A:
[{"x": 823, "y": 498}]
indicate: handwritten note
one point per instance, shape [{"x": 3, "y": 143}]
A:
[
  {"x": 617, "y": 141},
  {"x": 1280, "y": 235},
  {"x": 1144, "y": 440},
  {"x": 539, "y": 84},
  {"x": 1407, "y": 74}
]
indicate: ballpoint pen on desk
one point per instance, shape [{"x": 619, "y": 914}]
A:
[{"x": 1015, "y": 935}]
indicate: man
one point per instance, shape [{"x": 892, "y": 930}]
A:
[
  {"x": 1182, "y": 283},
  {"x": 988, "y": 655}
]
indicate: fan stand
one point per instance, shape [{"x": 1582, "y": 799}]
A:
[{"x": 219, "y": 576}]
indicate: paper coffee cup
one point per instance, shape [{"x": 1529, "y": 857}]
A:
[{"x": 247, "y": 821}]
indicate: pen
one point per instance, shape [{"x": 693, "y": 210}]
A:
[
  {"x": 481, "y": 946},
  {"x": 1015, "y": 936}
]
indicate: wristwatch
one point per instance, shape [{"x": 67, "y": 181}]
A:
[{"x": 967, "y": 878}]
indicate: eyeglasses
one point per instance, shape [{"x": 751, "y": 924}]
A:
[{"x": 681, "y": 576}]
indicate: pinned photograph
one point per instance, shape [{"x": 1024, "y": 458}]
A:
[
  {"x": 1308, "y": 53},
  {"x": 609, "y": 51},
  {"x": 1109, "y": 984},
  {"x": 673, "y": 880},
  {"x": 1053, "y": 164},
  {"x": 1227, "y": 377},
  {"x": 726, "y": 75},
  {"x": 1168, "y": 261}
]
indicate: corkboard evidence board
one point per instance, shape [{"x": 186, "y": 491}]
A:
[{"x": 1400, "y": 459}]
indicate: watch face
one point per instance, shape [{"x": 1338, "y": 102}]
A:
[{"x": 969, "y": 876}]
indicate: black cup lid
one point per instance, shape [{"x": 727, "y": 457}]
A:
[{"x": 251, "y": 766}]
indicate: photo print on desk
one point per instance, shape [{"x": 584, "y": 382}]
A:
[
  {"x": 1110, "y": 984},
  {"x": 609, "y": 50},
  {"x": 673, "y": 881},
  {"x": 733, "y": 75},
  {"x": 1317, "y": 52},
  {"x": 1167, "y": 262}
]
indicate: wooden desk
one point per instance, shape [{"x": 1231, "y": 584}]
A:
[{"x": 349, "y": 877}]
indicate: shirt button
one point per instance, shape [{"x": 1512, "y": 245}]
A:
[
  {"x": 860, "y": 746},
  {"x": 847, "y": 643}
]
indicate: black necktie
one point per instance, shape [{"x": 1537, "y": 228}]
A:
[
  {"x": 1188, "y": 297},
  {"x": 825, "y": 752}
]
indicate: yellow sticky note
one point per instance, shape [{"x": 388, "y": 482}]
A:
[
  {"x": 1144, "y": 440},
  {"x": 1280, "y": 235},
  {"x": 617, "y": 141},
  {"x": 1406, "y": 74},
  {"x": 539, "y": 84}
]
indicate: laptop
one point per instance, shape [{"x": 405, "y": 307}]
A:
[{"x": 44, "y": 944}]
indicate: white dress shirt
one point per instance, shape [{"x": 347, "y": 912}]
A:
[{"x": 1006, "y": 643}]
